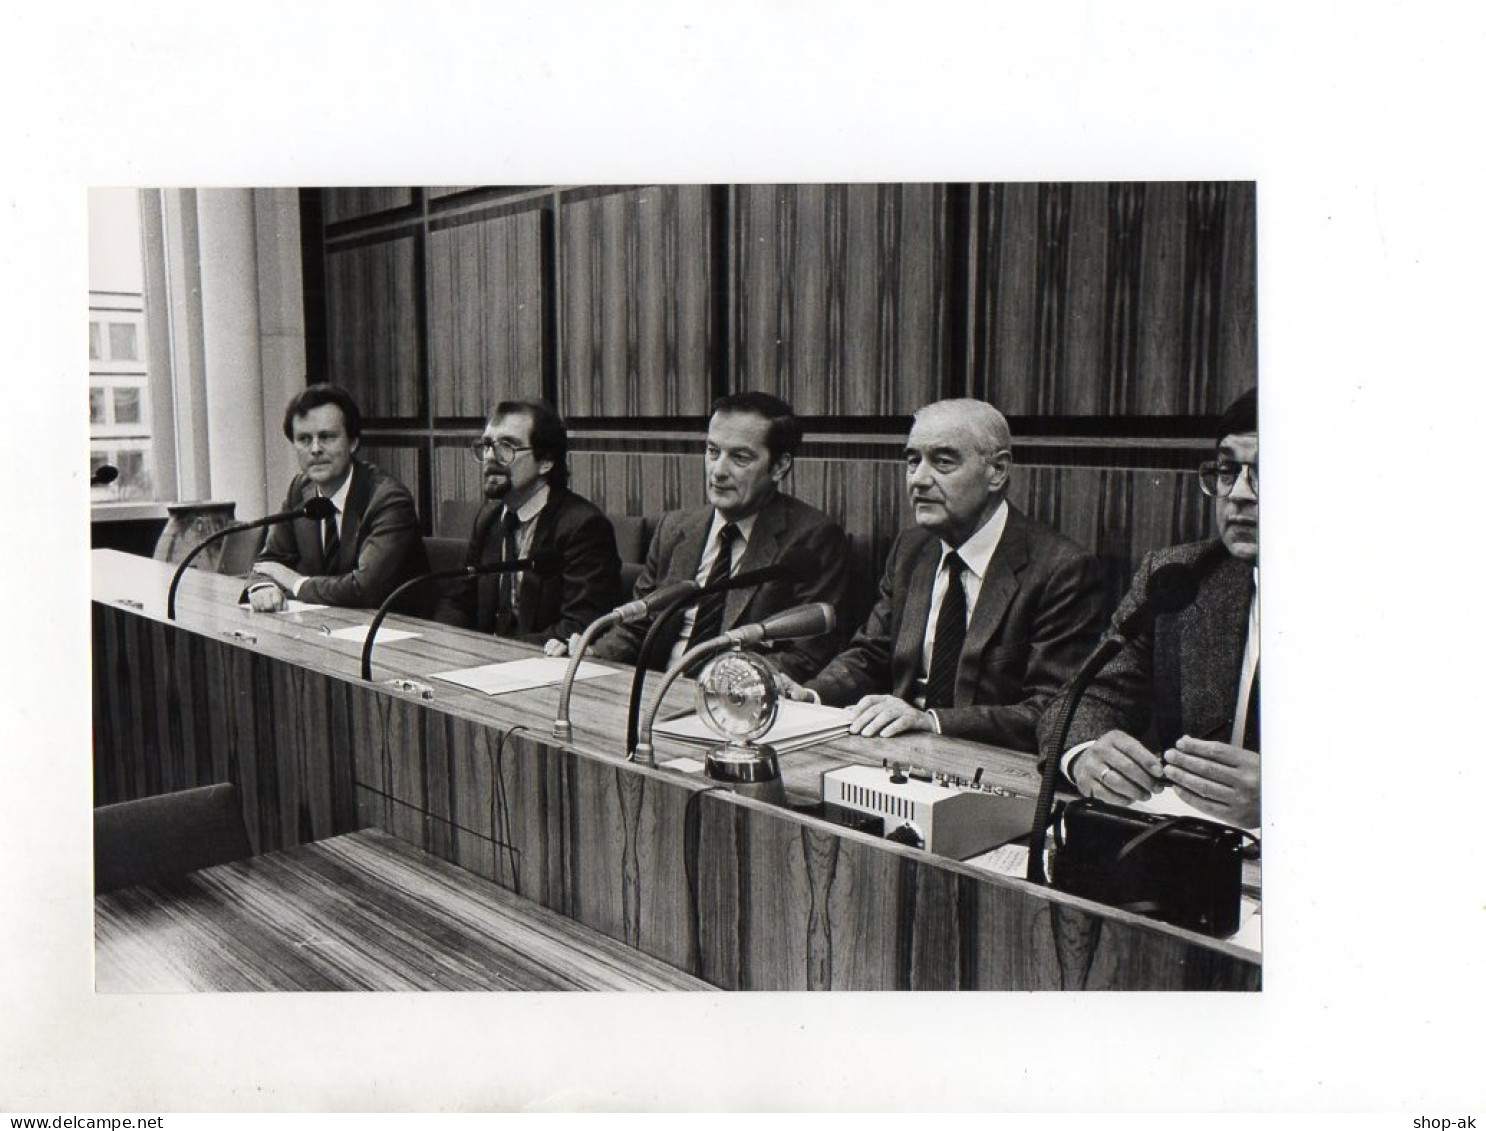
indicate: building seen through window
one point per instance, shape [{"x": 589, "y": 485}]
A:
[{"x": 119, "y": 420}]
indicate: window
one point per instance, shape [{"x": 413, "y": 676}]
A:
[
  {"x": 126, "y": 405},
  {"x": 119, "y": 404},
  {"x": 123, "y": 341}
]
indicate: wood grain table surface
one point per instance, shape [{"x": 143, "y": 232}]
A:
[{"x": 362, "y": 911}]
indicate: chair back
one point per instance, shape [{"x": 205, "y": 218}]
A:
[{"x": 161, "y": 837}]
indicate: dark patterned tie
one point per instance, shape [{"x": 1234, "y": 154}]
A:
[
  {"x": 709, "y": 612},
  {"x": 331, "y": 539},
  {"x": 505, "y": 617},
  {"x": 949, "y": 638}
]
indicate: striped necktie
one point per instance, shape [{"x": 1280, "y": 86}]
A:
[
  {"x": 949, "y": 638},
  {"x": 709, "y": 613}
]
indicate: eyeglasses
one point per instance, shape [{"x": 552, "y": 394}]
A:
[
  {"x": 1219, "y": 477},
  {"x": 503, "y": 451}
]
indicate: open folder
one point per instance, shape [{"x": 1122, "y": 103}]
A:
[{"x": 798, "y": 725}]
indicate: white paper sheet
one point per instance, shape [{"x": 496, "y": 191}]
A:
[
  {"x": 1168, "y": 804},
  {"x": 357, "y": 634},
  {"x": 293, "y": 606},
  {"x": 520, "y": 675}
]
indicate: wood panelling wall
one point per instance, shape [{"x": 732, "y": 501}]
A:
[{"x": 1111, "y": 322}]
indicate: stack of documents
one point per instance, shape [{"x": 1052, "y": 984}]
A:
[
  {"x": 798, "y": 725},
  {"x": 520, "y": 675}
]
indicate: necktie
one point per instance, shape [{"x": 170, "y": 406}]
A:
[
  {"x": 331, "y": 540},
  {"x": 949, "y": 638},
  {"x": 505, "y": 621},
  {"x": 709, "y": 612}
]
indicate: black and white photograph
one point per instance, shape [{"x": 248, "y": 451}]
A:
[{"x": 655, "y": 595}]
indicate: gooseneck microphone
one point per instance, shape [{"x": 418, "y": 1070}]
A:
[
  {"x": 544, "y": 563},
  {"x": 1171, "y": 588},
  {"x": 316, "y": 510},
  {"x": 795, "y": 564},
  {"x": 662, "y": 598},
  {"x": 792, "y": 624},
  {"x": 105, "y": 475}
]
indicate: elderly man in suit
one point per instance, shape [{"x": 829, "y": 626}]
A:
[
  {"x": 982, "y": 613},
  {"x": 1178, "y": 707},
  {"x": 749, "y": 523},
  {"x": 523, "y": 457},
  {"x": 372, "y": 543}
]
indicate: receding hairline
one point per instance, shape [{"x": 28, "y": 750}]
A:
[{"x": 985, "y": 420}]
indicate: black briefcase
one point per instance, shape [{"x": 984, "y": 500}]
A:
[{"x": 1181, "y": 870}]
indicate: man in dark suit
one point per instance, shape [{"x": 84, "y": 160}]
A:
[
  {"x": 982, "y": 614},
  {"x": 523, "y": 458},
  {"x": 751, "y": 442},
  {"x": 369, "y": 547},
  {"x": 1178, "y": 707}
]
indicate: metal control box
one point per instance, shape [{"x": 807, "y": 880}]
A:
[{"x": 943, "y": 815}]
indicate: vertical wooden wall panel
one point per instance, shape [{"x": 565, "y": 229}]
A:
[
  {"x": 352, "y": 203},
  {"x": 1086, "y": 302},
  {"x": 455, "y": 476},
  {"x": 485, "y": 314},
  {"x": 1010, "y": 311},
  {"x": 1157, "y": 386},
  {"x": 842, "y": 295},
  {"x": 634, "y": 277},
  {"x": 373, "y": 312},
  {"x": 640, "y": 484}
]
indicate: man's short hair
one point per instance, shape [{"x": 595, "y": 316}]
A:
[
  {"x": 1241, "y": 417},
  {"x": 985, "y": 416},
  {"x": 549, "y": 435},
  {"x": 315, "y": 396},
  {"x": 783, "y": 437}
]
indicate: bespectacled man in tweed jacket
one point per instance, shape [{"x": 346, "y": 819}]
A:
[{"x": 1178, "y": 709}]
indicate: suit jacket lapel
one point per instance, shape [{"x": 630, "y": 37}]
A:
[
  {"x": 997, "y": 590},
  {"x": 310, "y": 536},
  {"x": 913, "y": 620},
  {"x": 693, "y": 540},
  {"x": 529, "y": 585},
  {"x": 350, "y": 521},
  {"x": 1212, "y": 641}
]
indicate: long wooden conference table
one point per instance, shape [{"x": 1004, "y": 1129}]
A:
[{"x": 730, "y": 889}]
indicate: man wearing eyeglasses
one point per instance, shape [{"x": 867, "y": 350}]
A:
[
  {"x": 368, "y": 547},
  {"x": 523, "y": 458},
  {"x": 1176, "y": 713}
]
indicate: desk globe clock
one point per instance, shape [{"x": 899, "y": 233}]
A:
[{"x": 738, "y": 698}]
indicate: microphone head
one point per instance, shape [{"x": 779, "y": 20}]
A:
[
  {"x": 546, "y": 563},
  {"x": 318, "y": 509},
  {"x": 801, "y": 621},
  {"x": 105, "y": 475},
  {"x": 667, "y": 595}
]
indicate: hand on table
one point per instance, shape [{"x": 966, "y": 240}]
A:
[
  {"x": 883, "y": 716},
  {"x": 266, "y": 599},
  {"x": 1216, "y": 777},
  {"x": 280, "y": 574}
]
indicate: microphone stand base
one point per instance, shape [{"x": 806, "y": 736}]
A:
[{"x": 752, "y": 771}]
